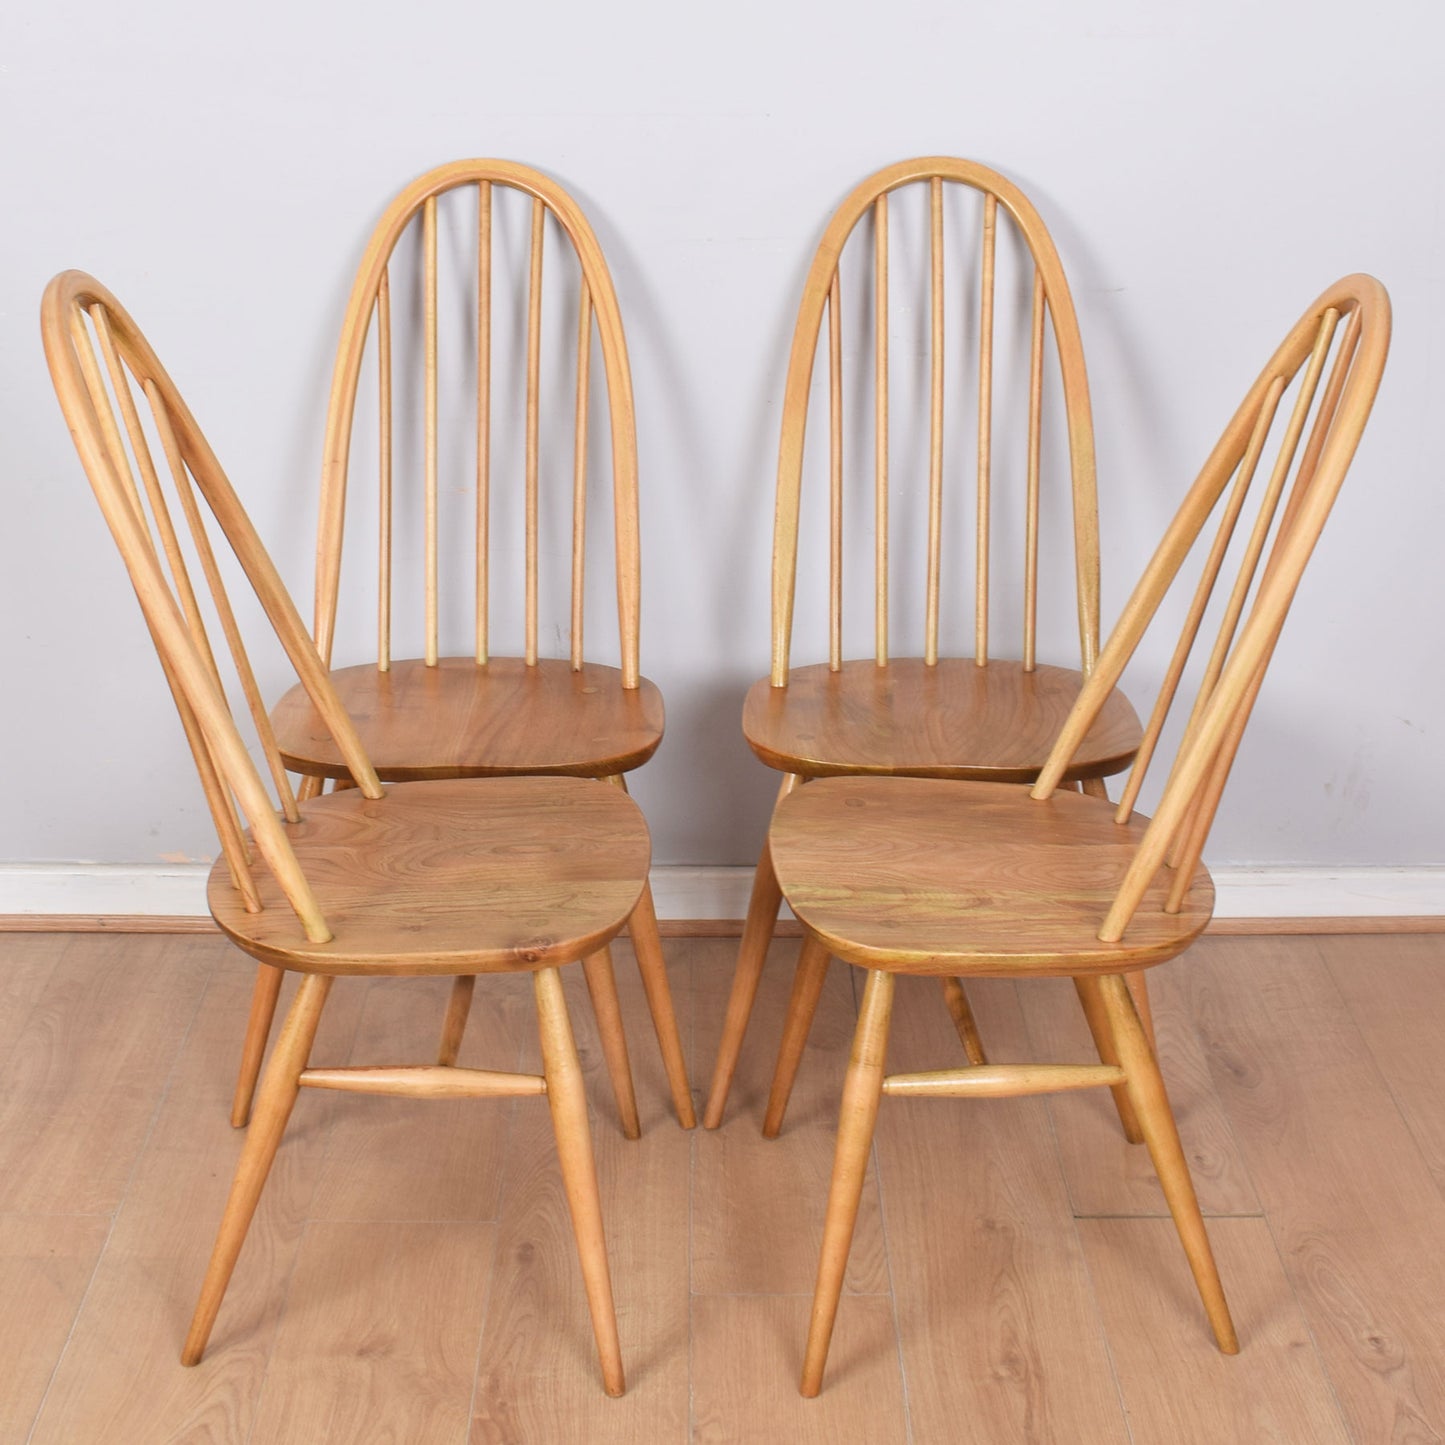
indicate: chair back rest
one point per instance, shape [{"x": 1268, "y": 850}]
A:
[
  {"x": 1342, "y": 339},
  {"x": 101, "y": 364},
  {"x": 1050, "y": 301},
  {"x": 369, "y": 314}
]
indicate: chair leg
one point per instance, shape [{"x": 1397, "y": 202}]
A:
[
  {"x": 568, "y": 1103},
  {"x": 802, "y": 1005},
  {"x": 762, "y": 918},
  {"x": 602, "y": 986},
  {"x": 1139, "y": 991},
  {"x": 1098, "y": 1018},
  {"x": 1151, "y": 1103},
  {"x": 862, "y": 1090},
  {"x": 454, "y": 1025},
  {"x": 647, "y": 945},
  {"x": 961, "y": 1012},
  {"x": 278, "y": 1093},
  {"x": 253, "y": 1049}
]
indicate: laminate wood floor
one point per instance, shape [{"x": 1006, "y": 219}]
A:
[{"x": 411, "y": 1275}]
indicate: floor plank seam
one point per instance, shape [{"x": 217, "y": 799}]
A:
[
  {"x": 307, "y": 1218},
  {"x": 692, "y": 1146},
  {"x": 1285, "y": 1271},
  {"x": 892, "y": 1295},
  {"x": 1058, "y": 1153},
  {"x": 506, "y": 1155},
  {"x": 120, "y": 1205}
]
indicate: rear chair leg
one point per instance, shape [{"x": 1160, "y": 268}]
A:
[
  {"x": 802, "y": 1005},
  {"x": 602, "y": 986},
  {"x": 454, "y": 1026},
  {"x": 253, "y": 1049}
]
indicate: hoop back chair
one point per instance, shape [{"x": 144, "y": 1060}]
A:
[
  {"x": 449, "y": 877},
  {"x": 487, "y": 715},
  {"x": 909, "y": 876},
  {"x": 979, "y": 717}
]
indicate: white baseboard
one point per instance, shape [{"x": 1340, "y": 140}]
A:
[{"x": 178, "y": 890}]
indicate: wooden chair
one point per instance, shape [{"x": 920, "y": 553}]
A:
[
  {"x": 454, "y": 877},
  {"x": 980, "y": 717},
  {"x": 483, "y": 715},
  {"x": 911, "y": 876}
]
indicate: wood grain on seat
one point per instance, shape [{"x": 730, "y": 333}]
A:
[
  {"x": 468, "y": 876},
  {"x": 898, "y": 873},
  {"x": 954, "y": 719},
  {"x": 460, "y": 719}
]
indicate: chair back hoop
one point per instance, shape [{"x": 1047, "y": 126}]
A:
[
  {"x": 98, "y": 359},
  {"x": 1051, "y": 299},
  {"x": 369, "y": 308},
  {"x": 1350, "y": 322}
]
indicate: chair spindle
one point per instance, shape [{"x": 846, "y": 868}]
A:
[
  {"x": 1031, "y": 516},
  {"x": 484, "y": 416},
  {"x": 579, "y": 470},
  {"x": 935, "y": 422},
  {"x": 985, "y": 424},
  {"x": 880, "y": 428},
  {"x": 429, "y": 243},
  {"x": 835, "y": 478},
  {"x": 534, "y": 371},
  {"x": 383, "y": 375}
]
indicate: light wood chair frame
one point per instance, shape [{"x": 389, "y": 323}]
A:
[
  {"x": 1051, "y": 300},
  {"x": 1355, "y": 314},
  {"x": 84, "y": 384},
  {"x": 369, "y": 309}
]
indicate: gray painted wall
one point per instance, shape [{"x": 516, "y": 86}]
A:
[{"x": 1205, "y": 169}]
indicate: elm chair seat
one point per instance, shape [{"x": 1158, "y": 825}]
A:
[
  {"x": 462, "y": 719},
  {"x": 951, "y": 719},
  {"x": 478, "y": 875}
]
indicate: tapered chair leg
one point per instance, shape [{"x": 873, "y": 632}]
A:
[
  {"x": 647, "y": 945},
  {"x": 1139, "y": 992},
  {"x": 1151, "y": 1104},
  {"x": 762, "y": 919},
  {"x": 602, "y": 986},
  {"x": 253, "y": 1048},
  {"x": 278, "y": 1093},
  {"x": 961, "y": 1012},
  {"x": 1098, "y": 1018},
  {"x": 568, "y": 1103},
  {"x": 802, "y": 1005},
  {"x": 454, "y": 1025},
  {"x": 862, "y": 1090}
]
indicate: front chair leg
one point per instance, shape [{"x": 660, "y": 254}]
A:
[
  {"x": 253, "y": 1049},
  {"x": 602, "y": 987},
  {"x": 802, "y": 1005},
  {"x": 1156, "y": 1118},
  {"x": 862, "y": 1090},
  {"x": 278, "y": 1093},
  {"x": 568, "y": 1103}
]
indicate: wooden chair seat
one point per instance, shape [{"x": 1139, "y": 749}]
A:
[
  {"x": 953, "y": 719},
  {"x": 460, "y": 719},
  {"x": 452, "y": 877},
  {"x": 895, "y": 873}
]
